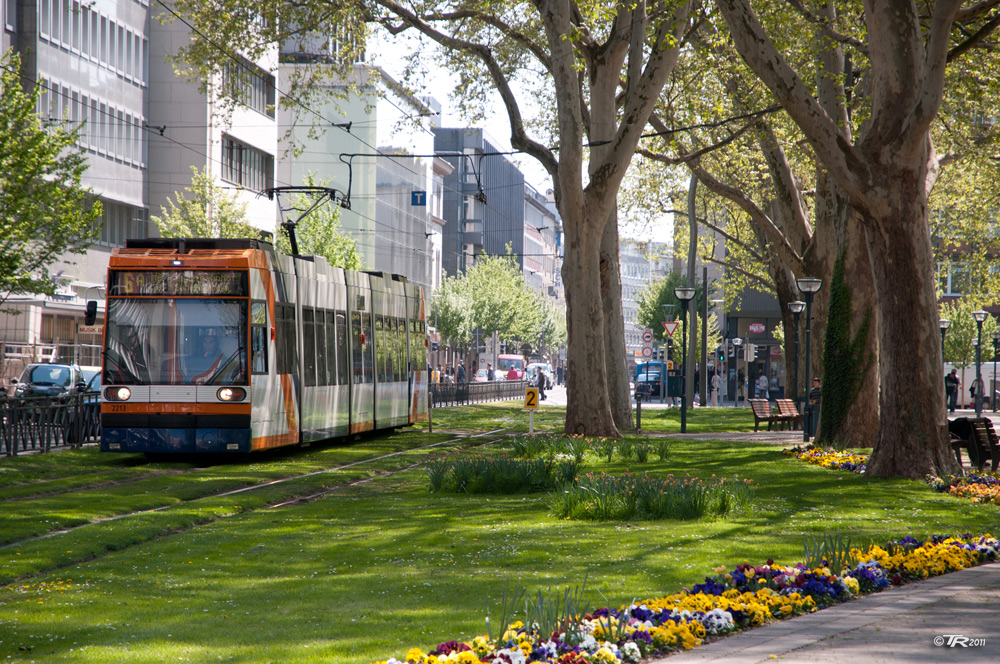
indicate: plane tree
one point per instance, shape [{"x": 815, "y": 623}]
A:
[
  {"x": 884, "y": 171},
  {"x": 603, "y": 64}
]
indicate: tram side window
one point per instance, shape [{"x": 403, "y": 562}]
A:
[
  {"x": 356, "y": 348},
  {"x": 379, "y": 350},
  {"x": 343, "y": 374},
  {"x": 421, "y": 359},
  {"x": 285, "y": 314},
  {"x": 258, "y": 338},
  {"x": 400, "y": 349},
  {"x": 320, "y": 324},
  {"x": 330, "y": 343},
  {"x": 369, "y": 350},
  {"x": 308, "y": 347}
]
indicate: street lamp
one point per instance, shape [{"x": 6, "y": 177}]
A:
[
  {"x": 980, "y": 316},
  {"x": 996, "y": 347},
  {"x": 684, "y": 294},
  {"x": 738, "y": 343},
  {"x": 944, "y": 324},
  {"x": 809, "y": 286},
  {"x": 796, "y": 308}
]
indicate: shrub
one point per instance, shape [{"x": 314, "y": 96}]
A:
[
  {"x": 617, "y": 497},
  {"x": 501, "y": 475}
]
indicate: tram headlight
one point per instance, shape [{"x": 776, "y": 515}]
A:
[
  {"x": 117, "y": 394},
  {"x": 232, "y": 394}
]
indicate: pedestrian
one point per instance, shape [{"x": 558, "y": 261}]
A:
[
  {"x": 716, "y": 386},
  {"x": 762, "y": 387},
  {"x": 951, "y": 390},
  {"x": 512, "y": 373},
  {"x": 461, "y": 372},
  {"x": 815, "y": 392},
  {"x": 740, "y": 380},
  {"x": 559, "y": 375},
  {"x": 490, "y": 375},
  {"x": 540, "y": 383}
]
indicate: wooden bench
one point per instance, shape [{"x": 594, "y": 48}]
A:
[
  {"x": 762, "y": 413},
  {"x": 978, "y": 438},
  {"x": 788, "y": 410}
]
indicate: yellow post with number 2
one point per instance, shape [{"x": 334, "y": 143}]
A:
[{"x": 531, "y": 405}]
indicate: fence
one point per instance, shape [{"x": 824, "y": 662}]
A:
[
  {"x": 457, "y": 394},
  {"x": 40, "y": 424}
]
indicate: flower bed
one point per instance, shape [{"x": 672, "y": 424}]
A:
[
  {"x": 830, "y": 458},
  {"x": 978, "y": 487},
  {"x": 746, "y": 597}
]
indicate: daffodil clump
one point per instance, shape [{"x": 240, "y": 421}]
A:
[
  {"x": 829, "y": 458},
  {"x": 983, "y": 487},
  {"x": 745, "y": 597}
]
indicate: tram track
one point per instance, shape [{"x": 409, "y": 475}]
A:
[{"x": 285, "y": 501}]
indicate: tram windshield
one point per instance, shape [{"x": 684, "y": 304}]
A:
[{"x": 166, "y": 341}]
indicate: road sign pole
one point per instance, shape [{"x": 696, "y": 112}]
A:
[{"x": 531, "y": 423}]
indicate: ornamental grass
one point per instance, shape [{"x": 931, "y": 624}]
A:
[
  {"x": 749, "y": 596},
  {"x": 603, "y": 497}
]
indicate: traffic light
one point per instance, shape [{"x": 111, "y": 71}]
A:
[
  {"x": 719, "y": 353},
  {"x": 670, "y": 349}
]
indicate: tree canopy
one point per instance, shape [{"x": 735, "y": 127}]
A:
[
  {"x": 45, "y": 212},
  {"x": 491, "y": 296}
]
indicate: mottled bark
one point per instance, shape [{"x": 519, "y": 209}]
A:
[{"x": 614, "y": 330}]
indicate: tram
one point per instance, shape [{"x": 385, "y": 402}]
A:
[{"x": 219, "y": 345}]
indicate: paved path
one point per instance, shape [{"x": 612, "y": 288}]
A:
[{"x": 898, "y": 625}]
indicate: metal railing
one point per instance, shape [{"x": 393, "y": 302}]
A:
[
  {"x": 457, "y": 394},
  {"x": 39, "y": 424}
]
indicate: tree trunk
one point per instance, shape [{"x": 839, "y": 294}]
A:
[
  {"x": 588, "y": 410},
  {"x": 614, "y": 328},
  {"x": 860, "y": 426},
  {"x": 912, "y": 441}
]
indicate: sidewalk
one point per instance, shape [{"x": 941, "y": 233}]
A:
[{"x": 898, "y": 625}]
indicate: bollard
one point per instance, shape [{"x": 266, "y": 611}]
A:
[{"x": 638, "y": 412}]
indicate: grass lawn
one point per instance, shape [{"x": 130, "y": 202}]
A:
[{"x": 371, "y": 569}]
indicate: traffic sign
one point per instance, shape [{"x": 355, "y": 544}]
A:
[
  {"x": 670, "y": 327},
  {"x": 531, "y": 398},
  {"x": 670, "y": 365},
  {"x": 647, "y": 352},
  {"x": 647, "y": 335}
]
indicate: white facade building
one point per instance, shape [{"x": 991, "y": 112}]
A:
[{"x": 101, "y": 66}]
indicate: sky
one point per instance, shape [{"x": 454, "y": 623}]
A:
[{"x": 390, "y": 54}]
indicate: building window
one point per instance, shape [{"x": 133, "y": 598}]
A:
[
  {"x": 250, "y": 85},
  {"x": 246, "y": 166}
]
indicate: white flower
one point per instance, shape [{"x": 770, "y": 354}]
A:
[
  {"x": 630, "y": 652},
  {"x": 515, "y": 655},
  {"x": 718, "y": 621}
]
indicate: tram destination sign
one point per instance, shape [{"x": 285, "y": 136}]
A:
[{"x": 178, "y": 282}]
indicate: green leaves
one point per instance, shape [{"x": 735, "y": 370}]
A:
[
  {"x": 208, "y": 211},
  {"x": 45, "y": 212},
  {"x": 492, "y": 295}
]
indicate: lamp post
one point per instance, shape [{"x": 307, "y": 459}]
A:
[
  {"x": 980, "y": 316},
  {"x": 809, "y": 286},
  {"x": 738, "y": 344},
  {"x": 684, "y": 294},
  {"x": 996, "y": 347},
  {"x": 796, "y": 308}
]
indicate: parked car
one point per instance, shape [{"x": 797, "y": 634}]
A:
[
  {"x": 51, "y": 380},
  {"x": 480, "y": 376},
  {"x": 648, "y": 384}
]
